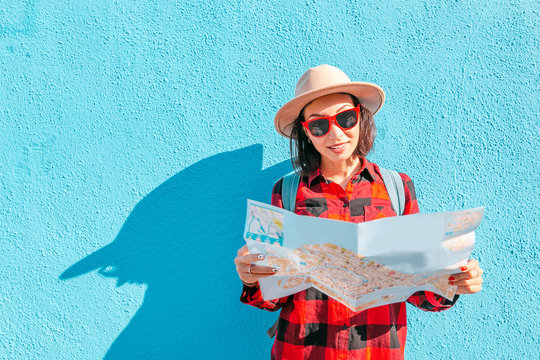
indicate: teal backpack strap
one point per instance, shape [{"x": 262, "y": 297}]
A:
[
  {"x": 289, "y": 190},
  {"x": 395, "y": 189}
]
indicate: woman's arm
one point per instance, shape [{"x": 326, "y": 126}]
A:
[
  {"x": 425, "y": 300},
  {"x": 252, "y": 296},
  {"x": 251, "y": 293}
]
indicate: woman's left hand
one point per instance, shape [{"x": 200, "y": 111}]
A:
[{"x": 469, "y": 281}]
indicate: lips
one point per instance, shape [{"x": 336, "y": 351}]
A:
[{"x": 338, "y": 147}]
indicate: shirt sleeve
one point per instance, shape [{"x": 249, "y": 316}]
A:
[
  {"x": 252, "y": 295},
  {"x": 424, "y": 300}
]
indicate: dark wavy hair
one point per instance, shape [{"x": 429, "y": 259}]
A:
[{"x": 305, "y": 158}]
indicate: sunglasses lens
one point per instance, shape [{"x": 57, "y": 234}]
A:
[
  {"x": 319, "y": 127},
  {"x": 347, "y": 119}
]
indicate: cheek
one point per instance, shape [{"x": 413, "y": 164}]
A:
[
  {"x": 318, "y": 144},
  {"x": 354, "y": 134}
]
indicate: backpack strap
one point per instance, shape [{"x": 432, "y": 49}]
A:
[
  {"x": 392, "y": 182},
  {"x": 272, "y": 331},
  {"x": 394, "y": 187},
  {"x": 289, "y": 190}
]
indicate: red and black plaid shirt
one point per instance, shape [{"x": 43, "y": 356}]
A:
[{"x": 315, "y": 326}]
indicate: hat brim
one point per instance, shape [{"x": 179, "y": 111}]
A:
[{"x": 370, "y": 95}]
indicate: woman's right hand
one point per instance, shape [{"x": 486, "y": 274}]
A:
[{"x": 249, "y": 273}]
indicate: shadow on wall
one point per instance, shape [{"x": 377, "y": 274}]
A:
[{"x": 181, "y": 240}]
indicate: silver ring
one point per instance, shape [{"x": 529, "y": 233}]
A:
[{"x": 249, "y": 268}]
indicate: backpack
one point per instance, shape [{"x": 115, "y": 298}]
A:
[{"x": 392, "y": 182}]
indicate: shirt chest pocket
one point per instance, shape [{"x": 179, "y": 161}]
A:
[{"x": 312, "y": 207}]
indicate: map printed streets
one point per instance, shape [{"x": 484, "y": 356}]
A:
[{"x": 356, "y": 279}]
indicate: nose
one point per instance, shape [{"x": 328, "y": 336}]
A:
[{"x": 335, "y": 131}]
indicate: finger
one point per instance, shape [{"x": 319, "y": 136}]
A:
[
  {"x": 475, "y": 281},
  {"x": 249, "y": 258},
  {"x": 243, "y": 250},
  {"x": 471, "y": 264},
  {"x": 256, "y": 277},
  {"x": 468, "y": 289},
  {"x": 252, "y": 278},
  {"x": 256, "y": 269},
  {"x": 471, "y": 274}
]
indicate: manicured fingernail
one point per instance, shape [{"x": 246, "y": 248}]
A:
[
  {"x": 463, "y": 268},
  {"x": 452, "y": 283},
  {"x": 451, "y": 278},
  {"x": 260, "y": 256},
  {"x": 274, "y": 269}
]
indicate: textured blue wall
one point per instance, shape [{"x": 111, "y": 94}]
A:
[{"x": 133, "y": 131}]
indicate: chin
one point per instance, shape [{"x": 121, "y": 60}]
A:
[{"x": 346, "y": 155}]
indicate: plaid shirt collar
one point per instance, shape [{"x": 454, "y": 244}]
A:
[{"x": 367, "y": 171}]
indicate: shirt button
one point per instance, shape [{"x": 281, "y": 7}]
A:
[
  {"x": 344, "y": 327},
  {"x": 345, "y": 205}
]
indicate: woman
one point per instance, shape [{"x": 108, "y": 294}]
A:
[{"x": 330, "y": 123}]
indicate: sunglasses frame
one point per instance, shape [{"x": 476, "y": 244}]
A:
[{"x": 332, "y": 119}]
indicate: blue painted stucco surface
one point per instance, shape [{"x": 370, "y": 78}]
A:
[{"x": 133, "y": 132}]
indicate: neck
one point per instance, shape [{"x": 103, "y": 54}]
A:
[{"x": 340, "y": 172}]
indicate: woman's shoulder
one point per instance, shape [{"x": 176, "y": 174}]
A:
[
  {"x": 405, "y": 178},
  {"x": 278, "y": 186},
  {"x": 286, "y": 188},
  {"x": 411, "y": 203},
  {"x": 408, "y": 185},
  {"x": 289, "y": 180}
]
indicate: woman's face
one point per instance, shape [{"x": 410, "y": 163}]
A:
[{"x": 336, "y": 146}]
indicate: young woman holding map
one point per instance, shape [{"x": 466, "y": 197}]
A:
[{"x": 330, "y": 123}]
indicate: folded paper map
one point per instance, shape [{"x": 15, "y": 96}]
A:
[{"x": 361, "y": 265}]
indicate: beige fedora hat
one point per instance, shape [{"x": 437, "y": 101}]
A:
[{"x": 323, "y": 80}]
